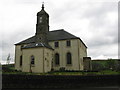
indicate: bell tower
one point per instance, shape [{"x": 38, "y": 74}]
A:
[{"x": 42, "y": 26}]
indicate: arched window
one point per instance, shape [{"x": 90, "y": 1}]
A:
[
  {"x": 21, "y": 60},
  {"x": 57, "y": 59},
  {"x": 32, "y": 59},
  {"x": 69, "y": 58}
]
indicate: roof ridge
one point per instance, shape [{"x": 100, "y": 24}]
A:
[
  {"x": 57, "y": 30},
  {"x": 62, "y": 30},
  {"x": 70, "y": 33}
]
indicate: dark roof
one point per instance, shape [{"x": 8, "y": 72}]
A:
[
  {"x": 60, "y": 35},
  {"x": 42, "y": 12},
  {"x": 53, "y": 36},
  {"x": 35, "y": 45},
  {"x": 27, "y": 41}
]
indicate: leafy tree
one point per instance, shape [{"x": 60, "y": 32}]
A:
[
  {"x": 118, "y": 66},
  {"x": 97, "y": 66},
  {"x": 111, "y": 64}
]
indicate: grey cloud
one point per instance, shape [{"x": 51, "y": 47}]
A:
[
  {"x": 27, "y": 1},
  {"x": 68, "y": 10},
  {"x": 108, "y": 50},
  {"x": 98, "y": 10},
  {"x": 108, "y": 32},
  {"x": 7, "y": 45},
  {"x": 102, "y": 40}
]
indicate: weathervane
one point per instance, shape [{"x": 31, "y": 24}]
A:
[{"x": 42, "y": 5}]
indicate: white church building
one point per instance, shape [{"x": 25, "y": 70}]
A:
[{"x": 50, "y": 50}]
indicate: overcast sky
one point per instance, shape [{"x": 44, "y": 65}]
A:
[{"x": 94, "y": 21}]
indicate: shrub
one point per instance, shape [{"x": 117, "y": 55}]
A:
[
  {"x": 62, "y": 69},
  {"x": 97, "y": 66}
]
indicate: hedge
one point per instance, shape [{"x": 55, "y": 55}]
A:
[{"x": 56, "y": 81}]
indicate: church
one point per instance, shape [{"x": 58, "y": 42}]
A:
[{"x": 50, "y": 50}]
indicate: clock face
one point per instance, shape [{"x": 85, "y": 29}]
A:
[{"x": 40, "y": 19}]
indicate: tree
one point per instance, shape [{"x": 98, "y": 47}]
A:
[
  {"x": 97, "y": 66},
  {"x": 110, "y": 64},
  {"x": 118, "y": 65},
  {"x": 8, "y": 59}
]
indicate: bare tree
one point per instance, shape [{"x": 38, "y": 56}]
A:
[{"x": 8, "y": 59}]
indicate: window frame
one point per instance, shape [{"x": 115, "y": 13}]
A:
[
  {"x": 68, "y": 58},
  {"x": 57, "y": 60},
  {"x": 32, "y": 60},
  {"x": 56, "y": 44},
  {"x": 68, "y": 43}
]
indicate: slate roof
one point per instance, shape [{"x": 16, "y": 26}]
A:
[
  {"x": 42, "y": 12},
  {"x": 55, "y": 35},
  {"x": 34, "y": 45}
]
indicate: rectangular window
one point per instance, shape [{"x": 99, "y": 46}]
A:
[
  {"x": 68, "y": 43},
  {"x": 21, "y": 60},
  {"x": 56, "y": 44}
]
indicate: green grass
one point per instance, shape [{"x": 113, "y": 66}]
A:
[
  {"x": 9, "y": 69},
  {"x": 110, "y": 72},
  {"x": 106, "y": 72}
]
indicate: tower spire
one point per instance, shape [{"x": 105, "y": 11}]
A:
[
  {"x": 42, "y": 26},
  {"x": 43, "y": 5}
]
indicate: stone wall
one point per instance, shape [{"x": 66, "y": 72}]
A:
[{"x": 87, "y": 63}]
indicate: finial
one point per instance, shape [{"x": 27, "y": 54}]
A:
[{"x": 43, "y": 5}]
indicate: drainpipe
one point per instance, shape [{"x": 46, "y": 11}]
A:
[
  {"x": 43, "y": 60},
  {"x": 30, "y": 67},
  {"x": 15, "y": 56},
  {"x": 78, "y": 56}
]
